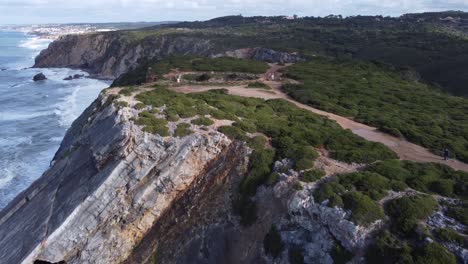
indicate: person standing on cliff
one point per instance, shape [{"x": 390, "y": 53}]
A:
[{"x": 446, "y": 154}]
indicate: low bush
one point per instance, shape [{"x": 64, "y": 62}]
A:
[
  {"x": 182, "y": 130},
  {"x": 257, "y": 142},
  {"x": 312, "y": 175},
  {"x": 258, "y": 85},
  {"x": 127, "y": 91},
  {"x": 121, "y": 104},
  {"x": 459, "y": 213},
  {"x": 407, "y": 211},
  {"x": 232, "y": 132},
  {"x": 387, "y": 249},
  {"x": 372, "y": 184},
  {"x": 451, "y": 236},
  {"x": 202, "y": 121},
  {"x": 434, "y": 253},
  {"x": 329, "y": 190},
  {"x": 203, "y": 78},
  {"x": 364, "y": 210},
  {"x": 151, "y": 124},
  {"x": 260, "y": 165},
  {"x": 139, "y": 106},
  {"x": 375, "y": 95}
]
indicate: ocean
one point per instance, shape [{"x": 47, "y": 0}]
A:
[{"x": 34, "y": 116}]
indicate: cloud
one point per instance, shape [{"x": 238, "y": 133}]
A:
[{"x": 44, "y": 11}]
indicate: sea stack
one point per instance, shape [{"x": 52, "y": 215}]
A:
[{"x": 39, "y": 77}]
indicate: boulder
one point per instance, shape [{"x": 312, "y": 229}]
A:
[
  {"x": 78, "y": 76},
  {"x": 69, "y": 78},
  {"x": 39, "y": 77}
]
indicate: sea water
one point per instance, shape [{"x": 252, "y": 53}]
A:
[{"x": 34, "y": 116}]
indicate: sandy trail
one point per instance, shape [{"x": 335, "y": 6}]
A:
[{"x": 404, "y": 149}]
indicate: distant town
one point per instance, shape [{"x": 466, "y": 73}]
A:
[{"x": 53, "y": 31}]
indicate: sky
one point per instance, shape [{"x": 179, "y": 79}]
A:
[{"x": 68, "y": 11}]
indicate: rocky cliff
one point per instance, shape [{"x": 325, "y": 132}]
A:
[
  {"x": 109, "y": 55},
  {"x": 117, "y": 194}
]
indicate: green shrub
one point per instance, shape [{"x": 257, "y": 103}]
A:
[
  {"x": 246, "y": 125},
  {"x": 127, "y": 91},
  {"x": 260, "y": 164},
  {"x": 451, "y": 236},
  {"x": 232, "y": 132},
  {"x": 110, "y": 99},
  {"x": 172, "y": 116},
  {"x": 121, "y": 104},
  {"x": 312, "y": 175},
  {"x": 379, "y": 96},
  {"x": 371, "y": 184},
  {"x": 272, "y": 243},
  {"x": 364, "y": 210},
  {"x": 151, "y": 124},
  {"x": 139, "y": 106},
  {"x": 434, "y": 253},
  {"x": 388, "y": 249},
  {"x": 443, "y": 187},
  {"x": 257, "y": 142},
  {"x": 298, "y": 186},
  {"x": 328, "y": 190},
  {"x": 273, "y": 178},
  {"x": 202, "y": 121},
  {"x": 258, "y": 85},
  {"x": 182, "y": 130},
  {"x": 459, "y": 213},
  {"x": 407, "y": 211},
  {"x": 203, "y": 78}
]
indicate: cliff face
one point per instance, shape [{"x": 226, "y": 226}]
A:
[
  {"x": 116, "y": 194},
  {"x": 108, "y": 185},
  {"x": 109, "y": 55}
]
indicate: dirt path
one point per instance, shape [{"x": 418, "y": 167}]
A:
[{"x": 404, "y": 149}]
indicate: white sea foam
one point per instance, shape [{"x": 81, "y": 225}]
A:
[
  {"x": 35, "y": 43},
  {"x": 7, "y": 177},
  {"x": 13, "y": 116},
  {"x": 56, "y": 139},
  {"x": 9, "y": 142},
  {"x": 67, "y": 109}
]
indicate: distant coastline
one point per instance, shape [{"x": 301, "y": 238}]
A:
[{"x": 54, "y": 31}]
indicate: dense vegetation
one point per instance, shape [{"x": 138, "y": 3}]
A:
[
  {"x": 424, "y": 43},
  {"x": 380, "y": 97},
  {"x": 190, "y": 63},
  {"x": 361, "y": 193},
  {"x": 294, "y": 133}
]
